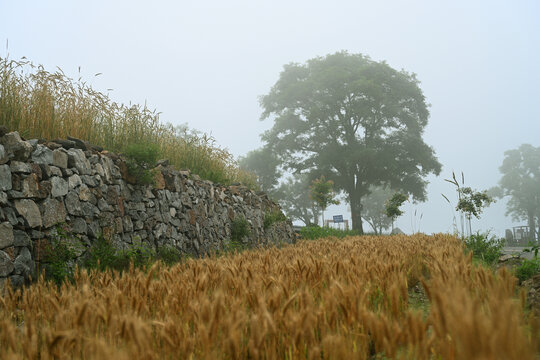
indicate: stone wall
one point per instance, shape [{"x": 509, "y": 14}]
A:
[{"x": 73, "y": 185}]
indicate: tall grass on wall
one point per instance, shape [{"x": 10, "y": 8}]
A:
[{"x": 42, "y": 104}]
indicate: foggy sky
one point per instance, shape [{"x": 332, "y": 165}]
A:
[{"x": 205, "y": 63}]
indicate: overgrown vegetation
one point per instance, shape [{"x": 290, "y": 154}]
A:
[
  {"x": 484, "y": 247},
  {"x": 41, "y": 104},
  {"x": 528, "y": 269},
  {"x": 239, "y": 230},
  {"x": 61, "y": 254},
  {"x": 317, "y": 232},
  {"x": 273, "y": 217},
  {"x": 326, "y": 299},
  {"x": 141, "y": 158}
]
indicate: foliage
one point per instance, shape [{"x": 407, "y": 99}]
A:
[
  {"x": 239, "y": 230},
  {"x": 59, "y": 255},
  {"x": 392, "y": 208},
  {"x": 293, "y": 196},
  {"x": 40, "y": 104},
  {"x": 141, "y": 157},
  {"x": 321, "y": 191},
  {"x": 533, "y": 248},
  {"x": 265, "y": 165},
  {"x": 520, "y": 182},
  {"x": 470, "y": 202},
  {"x": 357, "y": 121},
  {"x": 317, "y": 232},
  {"x": 341, "y": 299},
  {"x": 374, "y": 210},
  {"x": 528, "y": 269},
  {"x": 101, "y": 255},
  {"x": 169, "y": 255},
  {"x": 484, "y": 247},
  {"x": 273, "y": 217}
]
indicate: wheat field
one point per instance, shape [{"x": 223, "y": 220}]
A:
[{"x": 329, "y": 299}]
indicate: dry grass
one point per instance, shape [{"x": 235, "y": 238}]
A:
[
  {"x": 328, "y": 299},
  {"x": 40, "y": 104}
]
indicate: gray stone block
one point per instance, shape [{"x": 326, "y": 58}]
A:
[
  {"x": 42, "y": 155},
  {"x": 54, "y": 212},
  {"x": 6, "y": 265},
  {"x": 5, "y": 177},
  {"x": 29, "y": 211},
  {"x": 6, "y": 235}
]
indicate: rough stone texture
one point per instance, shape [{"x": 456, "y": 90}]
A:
[
  {"x": 77, "y": 159},
  {"x": 23, "y": 264},
  {"x": 60, "y": 159},
  {"x": 85, "y": 193},
  {"x": 59, "y": 186},
  {"x": 42, "y": 155},
  {"x": 6, "y": 265},
  {"x": 29, "y": 211},
  {"x": 3, "y": 155},
  {"x": 21, "y": 238},
  {"x": 74, "y": 181},
  {"x": 532, "y": 288},
  {"x": 30, "y": 186},
  {"x": 5, "y": 178},
  {"x": 54, "y": 212},
  {"x": 20, "y": 167},
  {"x": 6, "y": 235},
  {"x": 15, "y": 147},
  {"x": 78, "y": 226}
]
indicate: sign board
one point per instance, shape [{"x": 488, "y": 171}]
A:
[{"x": 338, "y": 218}]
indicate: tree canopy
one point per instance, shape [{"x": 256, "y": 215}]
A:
[
  {"x": 520, "y": 181},
  {"x": 293, "y": 196},
  {"x": 375, "y": 211},
  {"x": 322, "y": 192},
  {"x": 357, "y": 121},
  {"x": 265, "y": 166}
]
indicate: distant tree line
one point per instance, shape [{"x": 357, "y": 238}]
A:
[{"x": 359, "y": 124}]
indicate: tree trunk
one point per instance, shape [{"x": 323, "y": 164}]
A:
[{"x": 356, "y": 214}]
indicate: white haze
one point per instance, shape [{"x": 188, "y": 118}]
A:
[{"x": 206, "y": 63}]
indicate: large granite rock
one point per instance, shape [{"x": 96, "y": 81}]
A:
[
  {"x": 54, "y": 212},
  {"x": 42, "y": 155},
  {"x": 16, "y": 148},
  {"x": 5, "y": 178},
  {"x": 6, "y": 235},
  {"x": 29, "y": 211}
]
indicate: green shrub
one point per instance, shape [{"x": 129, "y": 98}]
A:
[
  {"x": 316, "y": 232},
  {"x": 484, "y": 247},
  {"x": 141, "y": 157},
  {"x": 528, "y": 269},
  {"x": 273, "y": 217},
  {"x": 59, "y": 256},
  {"x": 101, "y": 255},
  {"x": 142, "y": 256},
  {"x": 239, "y": 230},
  {"x": 169, "y": 255}
]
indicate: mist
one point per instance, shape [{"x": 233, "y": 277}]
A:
[{"x": 207, "y": 63}]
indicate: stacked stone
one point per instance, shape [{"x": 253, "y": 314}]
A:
[{"x": 88, "y": 192}]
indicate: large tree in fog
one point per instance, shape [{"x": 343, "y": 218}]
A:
[
  {"x": 293, "y": 196},
  {"x": 521, "y": 183},
  {"x": 357, "y": 121},
  {"x": 265, "y": 165}
]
